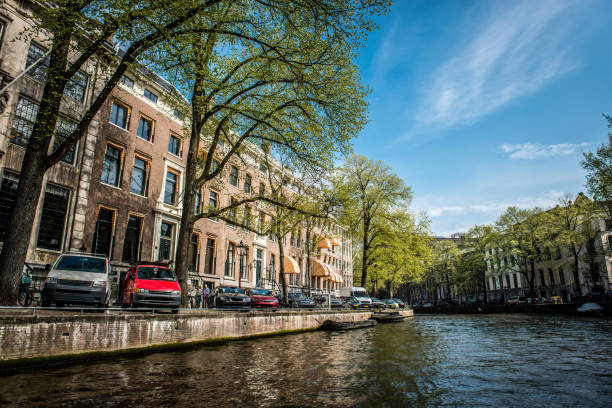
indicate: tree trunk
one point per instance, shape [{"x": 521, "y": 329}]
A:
[
  {"x": 19, "y": 230},
  {"x": 575, "y": 274},
  {"x": 365, "y": 254},
  {"x": 33, "y": 169}
]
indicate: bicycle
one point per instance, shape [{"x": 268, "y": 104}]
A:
[{"x": 25, "y": 295}]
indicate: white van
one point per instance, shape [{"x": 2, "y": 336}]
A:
[
  {"x": 358, "y": 293},
  {"x": 78, "y": 278}
]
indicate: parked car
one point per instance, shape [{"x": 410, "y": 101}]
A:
[
  {"x": 400, "y": 303},
  {"x": 391, "y": 304},
  {"x": 78, "y": 278},
  {"x": 262, "y": 298},
  {"x": 517, "y": 299},
  {"x": 377, "y": 303},
  {"x": 229, "y": 296},
  {"x": 151, "y": 284},
  {"x": 351, "y": 302},
  {"x": 300, "y": 300}
]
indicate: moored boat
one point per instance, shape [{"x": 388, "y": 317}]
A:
[{"x": 333, "y": 325}]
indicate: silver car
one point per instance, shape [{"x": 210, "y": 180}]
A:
[{"x": 78, "y": 279}]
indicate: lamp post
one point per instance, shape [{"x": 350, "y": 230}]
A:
[{"x": 241, "y": 252}]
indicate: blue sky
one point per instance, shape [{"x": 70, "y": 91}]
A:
[{"x": 485, "y": 104}]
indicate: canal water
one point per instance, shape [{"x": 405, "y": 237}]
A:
[{"x": 462, "y": 360}]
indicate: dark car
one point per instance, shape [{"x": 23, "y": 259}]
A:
[
  {"x": 300, "y": 300},
  {"x": 230, "y": 297},
  {"x": 334, "y": 302},
  {"x": 151, "y": 284},
  {"x": 400, "y": 303},
  {"x": 262, "y": 298},
  {"x": 351, "y": 302},
  {"x": 377, "y": 303}
]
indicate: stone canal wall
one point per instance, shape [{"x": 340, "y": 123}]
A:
[{"x": 43, "y": 334}]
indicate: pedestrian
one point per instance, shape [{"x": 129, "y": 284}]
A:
[{"x": 205, "y": 292}]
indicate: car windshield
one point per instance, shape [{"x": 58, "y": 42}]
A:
[
  {"x": 82, "y": 264},
  {"x": 155, "y": 273},
  {"x": 297, "y": 295},
  {"x": 229, "y": 289},
  {"x": 261, "y": 292},
  {"x": 361, "y": 293},
  {"x": 375, "y": 300}
]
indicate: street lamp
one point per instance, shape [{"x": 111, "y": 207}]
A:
[{"x": 241, "y": 252}]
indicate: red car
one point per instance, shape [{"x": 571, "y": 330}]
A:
[
  {"x": 153, "y": 285},
  {"x": 262, "y": 298}
]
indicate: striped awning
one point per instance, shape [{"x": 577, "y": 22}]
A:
[
  {"x": 291, "y": 265},
  {"x": 334, "y": 242},
  {"x": 325, "y": 243},
  {"x": 320, "y": 269}
]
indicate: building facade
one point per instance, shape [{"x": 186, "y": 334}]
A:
[{"x": 119, "y": 192}]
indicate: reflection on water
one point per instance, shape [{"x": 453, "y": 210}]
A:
[{"x": 426, "y": 361}]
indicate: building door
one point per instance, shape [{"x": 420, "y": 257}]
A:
[{"x": 103, "y": 232}]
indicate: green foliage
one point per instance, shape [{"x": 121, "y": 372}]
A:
[{"x": 599, "y": 171}]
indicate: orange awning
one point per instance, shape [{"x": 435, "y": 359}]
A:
[
  {"x": 325, "y": 243},
  {"x": 319, "y": 269},
  {"x": 291, "y": 265},
  {"x": 334, "y": 242}
]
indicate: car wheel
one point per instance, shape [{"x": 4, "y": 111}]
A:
[
  {"x": 175, "y": 311},
  {"x": 59, "y": 304}
]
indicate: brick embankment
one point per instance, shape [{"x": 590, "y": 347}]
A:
[
  {"x": 546, "y": 308},
  {"x": 46, "y": 335}
]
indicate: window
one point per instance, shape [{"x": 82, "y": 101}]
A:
[
  {"x": 171, "y": 187},
  {"x": 63, "y": 129},
  {"x": 53, "y": 217},
  {"x": 103, "y": 231},
  {"x": 174, "y": 146},
  {"x": 214, "y": 165},
  {"x": 247, "y": 183},
  {"x": 145, "y": 129},
  {"x": 8, "y": 192},
  {"x": 244, "y": 262},
  {"x": 150, "y": 96},
  {"x": 260, "y": 222},
  {"x": 119, "y": 115},
  {"x": 508, "y": 280},
  {"x": 610, "y": 242},
  {"x": 258, "y": 266},
  {"x": 246, "y": 221},
  {"x": 213, "y": 200},
  {"x": 298, "y": 239},
  {"x": 23, "y": 124},
  {"x": 232, "y": 211},
  {"x": 197, "y": 202},
  {"x": 233, "y": 176},
  {"x": 292, "y": 240},
  {"x": 76, "y": 86},
  {"x": 165, "y": 241},
  {"x": 111, "y": 168},
  {"x": 515, "y": 280},
  {"x": 180, "y": 115},
  {"x": 542, "y": 282},
  {"x": 210, "y": 260},
  {"x": 551, "y": 277},
  {"x": 561, "y": 276},
  {"x": 131, "y": 242},
  {"x": 230, "y": 262},
  {"x": 35, "y": 53},
  {"x": 608, "y": 224},
  {"x": 263, "y": 168},
  {"x": 140, "y": 177},
  {"x": 127, "y": 81},
  {"x": 262, "y": 189},
  {"x": 195, "y": 252}
]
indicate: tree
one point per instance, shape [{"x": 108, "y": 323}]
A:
[
  {"x": 523, "y": 233},
  {"x": 368, "y": 192},
  {"x": 77, "y": 33},
  {"x": 406, "y": 253},
  {"x": 572, "y": 228},
  {"x": 286, "y": 84},
  {"x": 599, "y": 172},
  {"x": 472, "y": 266}
]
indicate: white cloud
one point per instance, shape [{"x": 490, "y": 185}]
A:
[
  {"x": 516, "y": 52},
  {"x": 436, "y": 212},
  {"x": 546, "y": 200},
  {"x": 532, "y": 151}
]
